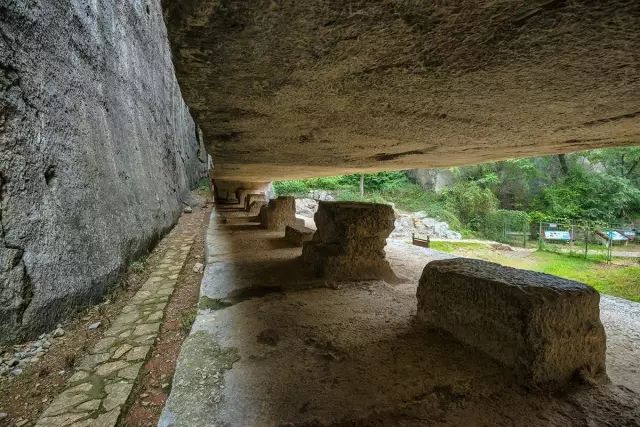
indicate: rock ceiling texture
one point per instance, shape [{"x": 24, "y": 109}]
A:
[{"x": 286, "y": 88}]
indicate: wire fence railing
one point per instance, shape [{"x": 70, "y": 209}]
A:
[{"x": 597, "y": 241}]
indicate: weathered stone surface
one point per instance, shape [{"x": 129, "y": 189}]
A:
[
  {"x": 545, "y": 328},
  {"x": 295, "y": 89},
  {"x": 349, "y": 242},
  {"x": 298, "y": 234},
  {"x": 278, "y": 213},
  {"x": 254, "y": 198},
  {"x": 96, "y": 148},
  {"x": 254, "y": 208}
]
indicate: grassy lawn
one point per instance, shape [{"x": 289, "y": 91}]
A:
[
  {"x": 455, "y": 247},
  {"x": 616, "y": 280}
]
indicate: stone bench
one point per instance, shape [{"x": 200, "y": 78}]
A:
[
  {"x": 546, "y": 329},
  {"x": 350, "y": 240},
  {"x": 298, "y": 234}
]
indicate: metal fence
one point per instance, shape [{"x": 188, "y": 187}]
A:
[{"x": 597, "y": 241}]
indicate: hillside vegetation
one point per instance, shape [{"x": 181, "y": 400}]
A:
[{"x": 598, "y": 186}]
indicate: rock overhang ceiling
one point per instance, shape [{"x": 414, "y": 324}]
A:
[{"x": 287, "y": 89}]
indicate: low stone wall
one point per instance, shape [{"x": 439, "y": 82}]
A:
[
  {"x": 298, "y": 234},
  {"x": 279, "y": 213},
  {"x": 350, "y": 240},
  {"x": 545, "y": 328}
]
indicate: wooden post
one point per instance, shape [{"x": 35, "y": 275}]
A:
[{"x": 361, "y": 185}]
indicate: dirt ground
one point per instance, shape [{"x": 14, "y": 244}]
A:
[
  {"x": 274, "y": 346},
  {"x": 23, "y": 398}
]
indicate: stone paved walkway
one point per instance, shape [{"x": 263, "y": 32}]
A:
[{"x": 99, "y": 388}]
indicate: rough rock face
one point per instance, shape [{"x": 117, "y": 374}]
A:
[
  {"x": 432, "y": 179},
  {"x": 349, "y": 241},
  {"x": 419, "y": 223},
  {"x": 279, "y": 213},
  {"x": 317, "y": 87},
  {"x": 97, "y": 152},
  {"x": 545, "y": 328}
]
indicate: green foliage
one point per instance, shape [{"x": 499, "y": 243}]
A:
[
  {"x": 381, "y": 181},
  {"x": 471, "y": 203},
  {"x": 596, "y": 186},
  {"x": 589, "y": 196},
  {"x": 501, "y": 224},
  {"x": 290, "y": 188}
]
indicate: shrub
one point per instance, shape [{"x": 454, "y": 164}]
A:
[
  {"x": 286, "y": 188},
  {"x": 471, "y": 203}
]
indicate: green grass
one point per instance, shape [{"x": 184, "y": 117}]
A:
[
  {"x": 452, "y": 246},
  {"x": 617, "y": 280}
]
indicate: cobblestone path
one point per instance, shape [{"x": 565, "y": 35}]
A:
[{"x": 102, "y": 382}]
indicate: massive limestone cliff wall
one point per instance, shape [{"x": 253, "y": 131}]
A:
[
  {"x": 324, "y": 87},
  {"x": 97, "y": 150}
]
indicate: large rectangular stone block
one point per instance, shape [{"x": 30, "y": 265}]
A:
[
  {"x": 545, "y": 328},
  {"x": 278, "y": 213},
  {"x": 349, "y": 241}
]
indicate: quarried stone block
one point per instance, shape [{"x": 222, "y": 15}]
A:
[
  {"x": 278, "y": 213},
  {"x": 349, "y": 241},
  {"x": 545, "y": 328}
]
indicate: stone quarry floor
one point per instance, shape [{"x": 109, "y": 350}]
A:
[{"x": 272, "y": 346}]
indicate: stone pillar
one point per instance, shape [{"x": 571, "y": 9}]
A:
[
  {"x": 252, "y": 198},
  {"x": 544, "y": 328},
  {"x": 349, "y": 241},
  {"x": 279, "y": 213}
]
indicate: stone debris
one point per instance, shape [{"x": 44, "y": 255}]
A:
[
  {"x": 350, "y": 240},
  {"x": 21, "y": 355},
  {"x": 58, "y": 332},
  {"x": 94, "y": 326},
  {"x": 98, "y": 390},
  {"x": 198, "y": 268},
  {"x": 187, "y": 209},
  {"x": 544, "y": 328},
  {"x": 420, "y": 224}
]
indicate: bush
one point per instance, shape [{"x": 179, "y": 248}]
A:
[
  {"x": 471, "y": 203},
  {"x": 589, "y": 196},
  {"x": 499, "y": 222},
  {"x": 290, "y": 188},
  {"x": 377, "y": 182}
]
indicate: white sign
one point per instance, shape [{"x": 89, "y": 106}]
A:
[
  {"x": 615, "y": 236},
  {"x": 557, "y": 235}
]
